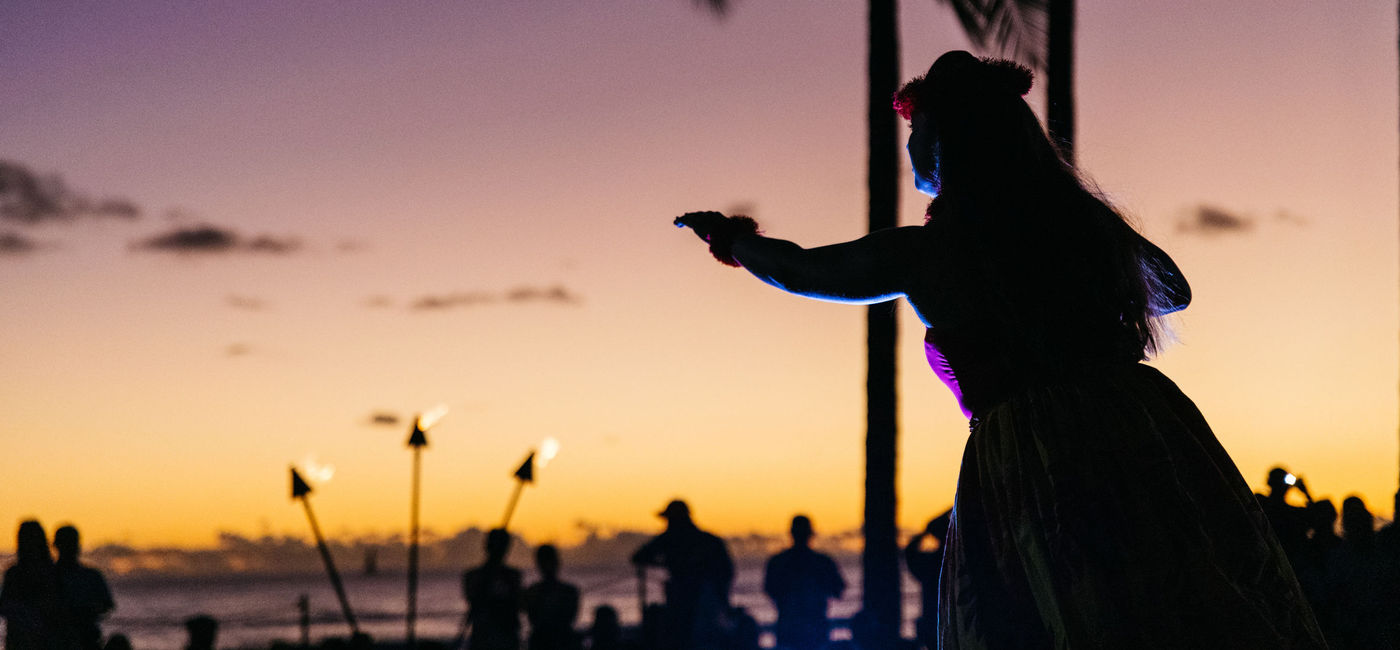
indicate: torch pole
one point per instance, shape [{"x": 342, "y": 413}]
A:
[
  {"x": 330, "y": 568},
  {"x": 304, "y": 620},
  {"x": 510, "y": 507},
  {"x": 413, "y": 553}
]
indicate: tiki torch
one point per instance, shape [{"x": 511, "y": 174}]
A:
[
  {"x": 300, "y": 490},
  {"x": 526, "y": 474},
  {"x": 417, "y": 440}
]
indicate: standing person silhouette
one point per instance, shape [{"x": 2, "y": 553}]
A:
[
  {"x": 551, "y": 605},
  {"x": 925, "y": 567},
  {"x": 492, "y": 591},
  {"x": 800, "y": 582},
  {"x": 29, "y": 595},
  {"x": 1314, "y": 566},
  {"x": 1094, "y": 507},
  {"x": 699, "y": 576},
  {"x": 83, "y": 593},
  {"x": 1290, "y": 523}
]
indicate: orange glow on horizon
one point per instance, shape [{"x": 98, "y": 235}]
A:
[{"x": 482, "y": 199}]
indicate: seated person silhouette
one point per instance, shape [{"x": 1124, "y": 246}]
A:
[{"x": 606, "y": 632}]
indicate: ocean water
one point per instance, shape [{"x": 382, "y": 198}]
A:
[{"x": 254, "y": 611}]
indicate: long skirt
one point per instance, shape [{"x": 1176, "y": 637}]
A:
[{"x": 1103, "y": 513}]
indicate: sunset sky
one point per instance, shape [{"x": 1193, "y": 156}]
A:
[{"x": 470, "y": 203}]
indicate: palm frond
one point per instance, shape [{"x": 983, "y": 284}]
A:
[
  {"x": 971, "y": 16},
  {"x": 1009, "y": 27},
  {"x": 1016, "y": 27}
]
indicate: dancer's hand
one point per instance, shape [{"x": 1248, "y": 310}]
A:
[{"x": 703, "y": 223}]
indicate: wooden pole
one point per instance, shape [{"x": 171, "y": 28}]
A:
[
  {"x": 880, "y": 597},
  {"x": 1059, "y": 73},
  {"x": 304, "y": 619},
  {"x": 510, "y": 507},
  {"x": 412, "y": 615},
  {"x": 330, "y": 568}
]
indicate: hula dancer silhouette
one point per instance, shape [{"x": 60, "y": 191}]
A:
[{"x": 1095, "y": 508}]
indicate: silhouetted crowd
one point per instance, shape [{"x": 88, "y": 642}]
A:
[
  {"x": 1351, "y": 580},
  {"x": 696, "y": 613}
]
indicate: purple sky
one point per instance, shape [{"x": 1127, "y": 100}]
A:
[{"x": 436, "y": 151}]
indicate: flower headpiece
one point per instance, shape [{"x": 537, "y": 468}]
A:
[
  {"x": 960, "y": 73},
  {"x": 904, "y": 98}
]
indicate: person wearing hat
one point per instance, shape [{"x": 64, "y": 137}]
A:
[
  {"x": 1095, "y": 508},
  {"x": 801, "y": 582},
  {"x": 699, "y": 575}
]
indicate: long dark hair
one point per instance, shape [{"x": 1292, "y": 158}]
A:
[
  {"x": 32, "y": 544},
  {"x": 1051, "y": 245}
]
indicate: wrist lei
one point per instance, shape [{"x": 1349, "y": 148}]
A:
[{"x": 722, "y": 238}]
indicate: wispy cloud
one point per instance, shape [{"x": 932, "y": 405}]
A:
[
  {"x": 208, "y": 239},
  {"x": 238, "y": 350},
  {"x": 1205, "y": 219},
  {"x": 1286, "y": 217},
  {"x": 15, "y": 244},
  {"x": 451, "y": 300},
  {"x": 557, "y": 294},
  {"x": 274, "y": 245},
  {"x": 27, "y": 198},
  {"x": 384, "y": 419},
  {"x": 247, "y": 303},
  {"x": 1210, "y": 220}
]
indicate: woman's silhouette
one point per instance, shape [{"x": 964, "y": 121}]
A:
[
  {"x": 29, "y": 595},
  {"x": 1095, "y": 508}
]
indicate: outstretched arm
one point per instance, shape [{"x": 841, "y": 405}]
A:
[{"x": 872, "y": 269}]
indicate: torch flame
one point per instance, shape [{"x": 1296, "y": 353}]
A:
[
  {"x": 431, "y": 416},
  {"x": 316, "y": 471},
  {"x": 548, "y": 450}
]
